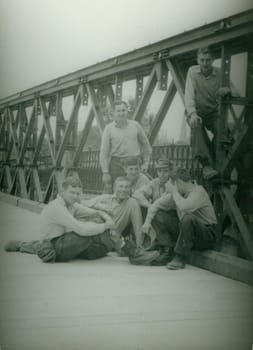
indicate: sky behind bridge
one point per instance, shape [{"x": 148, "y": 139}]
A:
[{"x": 42, "y": 40}]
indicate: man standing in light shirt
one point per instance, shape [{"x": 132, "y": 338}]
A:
[
  {"x": 197, "y": 223},
  {"x": 121, "y": 139},
  {"x": 202, "y": 91}
]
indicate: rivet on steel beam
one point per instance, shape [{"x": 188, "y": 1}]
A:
[{"x": 83, "y": 79}]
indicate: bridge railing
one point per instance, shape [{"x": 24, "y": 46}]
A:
[
  {"x": 91, "y": 175},
  {"x": 58, "y": 116},
  {"x": 90, "y": 172}
]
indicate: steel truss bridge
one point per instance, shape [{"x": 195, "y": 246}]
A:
[{"x": 33, "y": 118}]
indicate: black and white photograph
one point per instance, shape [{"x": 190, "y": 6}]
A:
[{"x": 126, "y": 175}]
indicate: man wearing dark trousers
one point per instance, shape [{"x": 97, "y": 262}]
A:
[
  {"x": 121, "y": 139},
  {"x": 202, "y": 91},
  {"x": 196, "y": 228},
  {"x": 72, "y": 231}
]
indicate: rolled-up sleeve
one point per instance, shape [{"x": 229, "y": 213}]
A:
[
  {"x": 193, "y": 202},
  {"x": 145, "y": 145},
  {"x": 189, "y": 97},
  {"x": 67, "y": 221},
  {"x": 143, "y": 194},
  {"x": 166, "y": 202},
  {"x": 105, "y": 150}
]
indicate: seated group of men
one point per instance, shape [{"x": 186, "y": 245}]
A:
[{"x": 152, "y": 222}]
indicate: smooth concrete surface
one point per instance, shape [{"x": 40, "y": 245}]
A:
[
  {"x": 223, "y": 264},
  {"x": 109, "y": 304}
]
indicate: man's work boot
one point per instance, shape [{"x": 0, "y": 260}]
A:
[
  {"x": 138, "y": 256},
  {"x": 177, "y": 263},
  {"x": 209, "y": 172},
  {"x": 165, "y": 256},
  {"x": 12, "y": 246},
  {"x": 142, "y": 257},
  {"x": 129, "y": 249}
]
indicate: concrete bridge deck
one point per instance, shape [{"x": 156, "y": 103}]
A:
[{"x": 109, "y": 304}]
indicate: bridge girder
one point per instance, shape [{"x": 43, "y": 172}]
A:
[{"x": 162, "y": 65}]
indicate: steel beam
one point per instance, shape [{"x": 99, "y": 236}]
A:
[
  {"x": 95, "y": 107},
  {"x": 167, "y": 100},
  {"x": 237, "y": 216},
  {"x": 149, "y": 88},
  {"x": 69, "y": 128},
  {"x": 84, "y": 136},
  {"x": 214, "y": 33}
]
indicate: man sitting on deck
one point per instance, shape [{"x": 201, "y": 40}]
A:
[
  {"x": 126, "y": 214},
  {"x": 164, "y": 217},
  {"x": 132, "y": 168},
  {"x": 64, "y": 237},
  {"x": 196, "y": 226}
]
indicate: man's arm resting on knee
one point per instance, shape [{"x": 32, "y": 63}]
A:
[
  {"x": 164, "y": 203},
  {"x": 65, "y": 219}
]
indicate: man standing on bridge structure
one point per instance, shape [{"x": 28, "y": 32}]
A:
[
  {"x": 72, "y": 231},
  {"x": 202, "y": 91},
  {"x": 121, "y": 139}
]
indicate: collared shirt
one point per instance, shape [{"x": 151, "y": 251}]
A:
[
  {"x": 200, "y": 91},
  {"x": 57, "y": 219},
  {"x": 129, "y": 141},
  {"x": 122, "y": 212},
  {"x": 140, "y": 182},
  {"x": 152, "y": 191}
]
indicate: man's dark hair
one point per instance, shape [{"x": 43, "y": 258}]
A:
[
  {"x": 73, "y": 181},
  {"x": 121, "y": 179},
  {"x": 205, "y": 50},
  {"x": 120, "y": 102},
  {"x": 183, "y": 174}
]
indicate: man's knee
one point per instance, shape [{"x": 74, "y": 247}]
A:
[
  {"x": 95, "y": 251},
  {"x": 159, "y": 217},
  {"x": 188, "y": 219}
]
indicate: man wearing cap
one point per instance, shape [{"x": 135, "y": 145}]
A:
[
  {"x": 121, "y": 139},
  {"x": 162, "y": 217},
  {"x": 196, "y": 226}
]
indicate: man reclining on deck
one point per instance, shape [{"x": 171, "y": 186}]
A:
[
  {"x": 65, "y": 238},
  {"x": 126, "y": 213},
  {"x": 195, "y": 227}
]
